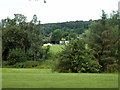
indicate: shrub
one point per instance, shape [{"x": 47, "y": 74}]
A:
[
  {"x": 45, "y": 52},
  {"x": 46, "y": 64},
  {"x": 41, "y": 54},
  {"x": 5, "y": 63},
  {"x": 17, "y": 55},
  {"x": 26, "y": 64},
  {"x": 112, "y": 68},
  {"x": 14, "y": 37},
  {"x": 75, "y": 57}
]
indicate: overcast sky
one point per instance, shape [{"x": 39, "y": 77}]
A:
[{"x": 57, "y": 10}]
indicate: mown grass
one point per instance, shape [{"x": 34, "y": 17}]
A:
[
  {"x": 56, "y": 48},
  {"x": 44, "y": 78}
]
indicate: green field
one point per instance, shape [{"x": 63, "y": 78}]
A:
[
  {"x": 44, "y": 78},
  {"x": 56, "y": 48}
]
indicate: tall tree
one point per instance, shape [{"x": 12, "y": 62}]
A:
[
  {"x": 12, "y": 38},
  {"x": 56, "y": 36},
  {"x": 102, "y": 37},
  {"x": 35, "y": 39},
  {"x": 21, "y": 21}
]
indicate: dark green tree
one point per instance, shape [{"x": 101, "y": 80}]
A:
[
  {"x": 13, "y": 37},
  {"x": 35, "y": 38},
  {"x": 56, "y": 36},
  {"x": 8, "y": 22},
  {"x": 17, "y": 56},
  {"x": 102, "y": 37},
  {"x": 21, "y": 21},
  {"x": 72, "y": 36},
  {"x": 75, "y": 57},
  {"x": 65, "y": 35}
]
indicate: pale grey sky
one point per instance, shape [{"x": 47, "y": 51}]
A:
[{"x": 57, "y": 10}]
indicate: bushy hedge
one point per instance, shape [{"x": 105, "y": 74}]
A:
[
  {"x": 112, "y": 68},
  {"x": 77, "y": 58},
  {"x": 27, "y": 64},
  {"x": 17, "y": 55},
  {"x": 5, "y": 63},
  {"x": 42, "y": 54}
]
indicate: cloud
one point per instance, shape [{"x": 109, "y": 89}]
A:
[{"x": 57, "y": 10}]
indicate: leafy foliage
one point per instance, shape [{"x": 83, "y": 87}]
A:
[
  {"x": 95, "y": 51},
  {"x": 17, "y": 33},
  {"x": 76, "y": 58},
  {"x": 13, "y": 37},
  {"x": 103, "y": 38},
  {"x": 69, "y": 30},
  {"x": 17, "y": 55},
  {"x": 56, "y": 36},
  {"x": 78, "y": 26},
  {"x": 26, "y": 64},
  {"x": 35, "y": 39}
]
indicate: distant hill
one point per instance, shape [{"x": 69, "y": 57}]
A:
[{"x": 77, "y": 27}]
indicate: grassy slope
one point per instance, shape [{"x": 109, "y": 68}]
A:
[
  {"x": 44, "y": 78},
  {"x": 56, "y": 48},
  {"x": 50, "y": 62}
]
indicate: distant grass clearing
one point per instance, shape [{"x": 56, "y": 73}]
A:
[
  {"x": 44, "y": 78},
  {"x": 56, "y": 48}
]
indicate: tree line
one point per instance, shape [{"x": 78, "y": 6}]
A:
[
  {"x": 18, "y": 34},
  {"x": 53, "y": 32},
  {"x": 96, "y": 49},
  {"x": 21, "y": 40},
  {"x": 95, "y": 53}
]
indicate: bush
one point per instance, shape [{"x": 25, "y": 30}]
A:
[
  {"x": 46, "y": 52},
  {"x": 112, "y": 68},
  {"x": 17, "y": 55},
  {"x": 14, "y": 37},
  {"x": 27, "y": 64},
  {"x": 46, "y": 64},
  {"x": 5, "y": 63},
  {"x": 75, "y": 57},
  {"x": 42, "y": 53}
]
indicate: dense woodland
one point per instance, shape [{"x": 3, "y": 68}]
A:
[
  {"x": 65, "y": 30},
  {"x": 95, "y": 51}
]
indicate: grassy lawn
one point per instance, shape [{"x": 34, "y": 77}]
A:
[
  {"x": 44, "y": 78},
  {"x": 56, "y": 48}
]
